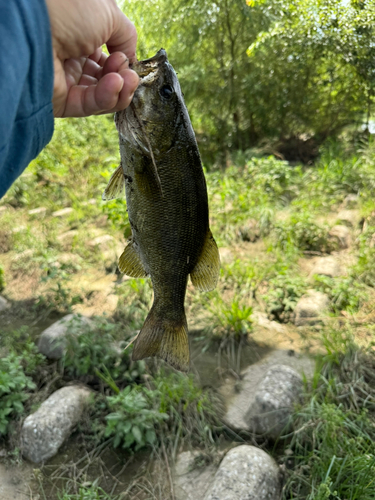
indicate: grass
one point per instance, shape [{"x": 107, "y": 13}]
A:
[{"x": 271, "y": 216}]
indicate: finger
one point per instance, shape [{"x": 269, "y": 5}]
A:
[
  {"x": 97, "y": 55},
  {"x": 87, "y": 80},
  {"x": 115, "y": 63},
  {"x": 111, "y": 90},
  {"x": 91, "y": 68},
  {"x": 124, "y": 35}
]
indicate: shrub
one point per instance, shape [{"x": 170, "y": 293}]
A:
[
  {"x": 282, "y": 296},
  {"x": 133, "y": 418},
  {"x": 14, "y": 387},
  {"x": 345, "y": 293},
  {"x": 92, "y": 348}
]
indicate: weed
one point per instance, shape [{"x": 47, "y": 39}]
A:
[
  {"x": 92, "y": 349},
  {"x": 2, "y": 280},
  {"x": 346, "y": 294},
  {"x": 133, "y": 418},
  {"x": 92, "y": 492},
  {"x": 282, "y": 296},
  {"x": 301, "y": 231},
  {"x": 14, "y": 390},
  {"x": 229, "y": 319}
]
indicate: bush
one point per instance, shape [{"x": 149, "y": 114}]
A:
[
  {"x": 93, "y": 348},
  {"x": 282, "y": 296},
  {"x": 345, "y": 293},
  {"x": 302, "y": 232},
  {"x": 14, "y": 387},
  {"x": 132, "y": 422}
]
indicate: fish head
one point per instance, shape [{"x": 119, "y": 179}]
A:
[{"x": 157, "y": 111}]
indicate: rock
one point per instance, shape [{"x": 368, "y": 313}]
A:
[
  {"x": 25, "y": 255},
  {"x": 263, "y": 321},
  {"x": 38, "y": 211},
  {"x": 240, "y": 403},
  {"x": 3, "y": 209},
  {"x": 68, "y": 258},
  {"x": 63, "y": 212},
  {"x": 44, "y": 431},
  {"x": 310, "y": 308},
  {"x": 341, "y": 234},
  {"x": 91, "y": 201},
  {"x": 52, "y": 341},
  {"x": 18, "y": 229},
  {"x": 350, "y": 218},
  {"x": 326, "y": 266},
  {"x": 104, "y": 242},
  {"x": 191, "y": 483},
  {"x": 67, "y": 237},
  {"x": 4, "y": 304},
  {"x": 274, "y": 400},
  {"x": 246, "y": 473},
  {"x": 351, "y": 201}
]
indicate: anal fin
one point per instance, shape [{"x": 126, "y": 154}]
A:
[
  {"x": 206, "y": 272},
  {"x": 115, "y": 186},
  {"x": 130, "y": 262}
]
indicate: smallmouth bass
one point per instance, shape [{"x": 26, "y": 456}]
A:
[{"x": 167, "y": 204}]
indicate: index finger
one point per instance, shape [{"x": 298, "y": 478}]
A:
[{"x": 124, "y": 35}]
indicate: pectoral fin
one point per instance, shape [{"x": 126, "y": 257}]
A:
[
  {"x": 206, "y": 273},
  {"x": 130, "y": 262},
  {"x": 115, "y": 187}
]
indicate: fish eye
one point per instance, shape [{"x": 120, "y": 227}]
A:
[{"x": 166, "y": 91}]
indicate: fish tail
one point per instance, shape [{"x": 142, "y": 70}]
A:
[{"x": 164, "y": 337}]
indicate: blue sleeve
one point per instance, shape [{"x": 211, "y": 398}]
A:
[{"x": 26, "y": 85}]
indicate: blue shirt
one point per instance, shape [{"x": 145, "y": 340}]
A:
[{"x": 26, "y": 85}]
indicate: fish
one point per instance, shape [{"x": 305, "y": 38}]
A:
[{"x": 167, "y": 203}]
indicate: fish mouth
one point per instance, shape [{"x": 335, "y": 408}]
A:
[{"x": 151, "y": 65}]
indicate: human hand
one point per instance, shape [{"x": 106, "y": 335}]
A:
[{"x": 86, "y": 80}]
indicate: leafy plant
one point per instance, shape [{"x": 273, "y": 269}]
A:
[
  {"x": 282, "y": 296},
  {"x": 301, "y": 231},
  {"x": 14, "y": 390},
  {"x": 229, "y": 319},
  {"x": 133, "y": 418},
  {"x": 92, "y": 349},
  {"x": 345, "y": 294}
]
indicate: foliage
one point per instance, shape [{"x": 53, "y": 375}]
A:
[
  {"x": 331, "y": 450},
  {"x": 2, "y": 280},
  {"x": 307, "y": 74},
  {"x": 14, "y": 387},
  {"x": 345, "y": 294},
  {"x": 92, "y": 348},
  {"x": 229, "y": 319},
  {"x": 282, "y": 296},
  {"x": 133, "y": 418},
  {"x": 301, "y": 231},
  {"x": 92, "y": 492},
  {"x": 194, "y": 413}
]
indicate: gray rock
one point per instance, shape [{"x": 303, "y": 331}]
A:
[
  {"x": 44, "y": 431},
  {"x": 342, "y": 235},
  {"x": 38, "y": 211},
  {"x": 274, "y": 401},
  {"x": 246, "y": 473},
  {"x": 4, "y": 304},
  {"x": 52, "y": 342},
  {"x": 310, "y": 308},
  {"x": 350, "y": 218},
  {"x": 351, "y": 201},
  {"x": 326, "y": 266},
  {"x": 240, "y": 403},
  {"x": 191, "y": 483},
  {"x": 63, "y": 212},
  {"x": 67, "y": 237}
]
